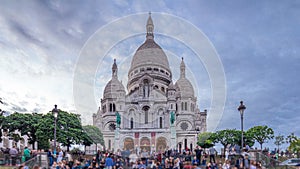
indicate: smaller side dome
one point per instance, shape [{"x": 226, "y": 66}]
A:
[
  {"x": 183, "y": 86},
  {"x": 114, "y": 85},
  {"x": 112, "y": 88}
]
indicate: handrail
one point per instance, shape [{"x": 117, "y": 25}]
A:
[{"x": 269, "y": 162}]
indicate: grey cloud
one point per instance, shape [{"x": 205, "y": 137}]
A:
[
  {"x": 37, "y": 110},
  {"x": 19, "y": 109},
  {"x": 257, "y": 42},
  {"x": 23, "y": 103},
  {"x": 24, "y": 32}
]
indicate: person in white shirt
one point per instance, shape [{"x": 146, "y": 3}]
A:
[
  {"x": 226, "y": 165},
  {"x": 60, "y": 156}
]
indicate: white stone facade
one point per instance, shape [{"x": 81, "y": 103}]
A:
[{"x": 145, "y": 110}]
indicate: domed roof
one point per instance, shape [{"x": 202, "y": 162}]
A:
[
  {"x": 183, "y": 86},
  {"x": 149, "y": 53},
  {"x": 112, "y": 87}
]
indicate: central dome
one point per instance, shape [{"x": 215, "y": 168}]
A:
[
  {"x": 149, "y": 53},
  {"x": 151, "y": 61}
]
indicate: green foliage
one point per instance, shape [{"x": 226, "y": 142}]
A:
[
  {"x": 94, "y": 133},
  {"x": 248, "y": 139},
  {"x": 68, "y": 129},
  {"x": 290, "y": 138},
  {"x": 279, "y": 140},
  {"x": 206, "y": 139},
  {"x": 75, "y": 151},
  {"x": 295, "y": 146},
  {"x": 26, "y": 124},
  {"x": 45, "y": 130},
  {"x": 1, "y": 119},
  {"x": 40, "y": 128},
  {"x": 43, "y": 144},
  {"x": 261, "y": 134},
  {"x": 227, "y": 137}
]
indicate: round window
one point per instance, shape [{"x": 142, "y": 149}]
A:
[
  {"x": 112, "y": 126},
  {"x": 184, "y": 126}
]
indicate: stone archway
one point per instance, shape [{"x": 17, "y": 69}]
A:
[
  {"x": 145, "y": 144},
  {"x": 128, "y": 144},
  {"x": 161, "y": 144}
]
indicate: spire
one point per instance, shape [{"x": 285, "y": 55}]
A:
[
  {"x": 150, "y": 27},
  {"x": 182, "y": 69},
  {"x": 114, "y": 69}
]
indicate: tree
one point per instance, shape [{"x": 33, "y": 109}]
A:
[
  {"x": 1, "y": 119},
  {"x": 68, "y": 129},
  {"x": 248, "y": 139},
  {"x": 279, "y": 140},
  {"x": 261, "y": 134},
  {"x": 26, "y": 124},
  {"x": 227, "y": 137},
  {"x": 44, "y": 131},
  {"x": 95, "y": 134},
  {"x": 86, "y": 140},
  {"x": 295, "y": 147},
  {"x": 206, "y": 139},
  {"x": 290, "y": 138}
]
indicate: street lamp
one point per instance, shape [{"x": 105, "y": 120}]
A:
[
  {"x": 55, "y": 113},
  {"x": 241, "y": 109}
]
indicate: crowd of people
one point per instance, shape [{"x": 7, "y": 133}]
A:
[
  {"x": 14, "y": 156},
  {"x": 169, "y": 159}
]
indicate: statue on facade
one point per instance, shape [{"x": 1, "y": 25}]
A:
[
  {"x": 172, "y": 118},
  {"x": 118, "y": 119}
]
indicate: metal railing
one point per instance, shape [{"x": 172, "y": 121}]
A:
[
  {"x": 8, "y": 160},
  {"x": 40, "y": 160},
  {"x": 269, "y": 162}
]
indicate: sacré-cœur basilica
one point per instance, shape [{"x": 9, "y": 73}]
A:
[{"x": 155, "y": 114}]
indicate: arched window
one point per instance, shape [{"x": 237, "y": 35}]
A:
[
  {"x": 146, "y": 109},
  {"x": 171, "y": 106},
  {"x": 182, "y": 106},
  {"x": 146, "y": 88},
  {"x": 146, "y": 117},
  {"x": 109, "y": 144},
  {"x": 162, "y": 89},
  {"x": 110, "y": 107},
  {"x": 185, "y": 106},
  {"x": 160, "y": 122},
  {"x": 104, "y": 108},
  {"x": 180, "y": 147},
  {"x": 114, "y": 107},
  {"x": 131, "y": 123}
]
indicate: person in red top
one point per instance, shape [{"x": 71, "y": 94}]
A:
[{"x": 188, "y": 165}]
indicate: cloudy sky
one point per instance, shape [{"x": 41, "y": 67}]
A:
[{"x": 44, "y": 43}]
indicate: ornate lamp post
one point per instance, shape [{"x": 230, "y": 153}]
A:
[
  {"x": 241, "y": 109},
  {"x": 55, "y": 113}
]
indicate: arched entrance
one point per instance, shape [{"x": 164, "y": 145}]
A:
[
  {"x": 161, "y": 144},
  {"x": 128, "y": 144},
  {"x": 145, "y": 144}
]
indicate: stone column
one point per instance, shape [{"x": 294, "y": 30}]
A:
[
  {"x": 117, "y": 139},
  {"x": 173, "y": 136}
]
